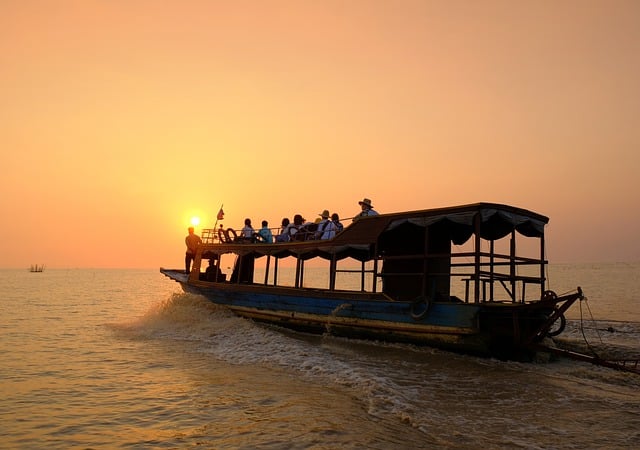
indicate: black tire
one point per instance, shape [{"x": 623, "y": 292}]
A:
[
  {"x": 417, "y": 311},
  {"x": 563, "y": 323}
]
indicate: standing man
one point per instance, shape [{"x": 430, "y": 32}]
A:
[{"x": 192, "y": 241}]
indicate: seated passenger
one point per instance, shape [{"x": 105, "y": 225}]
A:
[
  {"x": 336, "y": 220},
  {"x": 326, "y": 228},
  {"x": 306, "y": 231},
  {"x": 294, "y": 227},
  {"x": 323, "y": 225},
  {"x": 247, "y": 230},
  {"x": 284, "y": 232},
  {"x": 213, "y": 272},
  {"x": 366, "y": 209},
  {"x": 265, "y": 233}
]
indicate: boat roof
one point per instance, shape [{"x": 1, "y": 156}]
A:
[{"x": 496, "y": 221}]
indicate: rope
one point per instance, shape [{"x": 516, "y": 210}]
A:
[{"x": 582, "y": 328}]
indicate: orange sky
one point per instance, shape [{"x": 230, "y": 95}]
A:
[{"x": 121, "y": 119}]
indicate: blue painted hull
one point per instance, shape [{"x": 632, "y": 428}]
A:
[{"x": 465, "y": 327}]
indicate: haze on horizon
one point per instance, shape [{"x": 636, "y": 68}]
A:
[{"x": 119, "y": 121}]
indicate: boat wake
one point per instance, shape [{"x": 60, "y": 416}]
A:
[
  {"x": 418, "y": 386},
  {"x": 359, "y": 367}
]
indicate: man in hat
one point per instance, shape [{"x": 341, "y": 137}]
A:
[
  {"x": 326, "y": 228},
  {"x": 367, "y": 209}
]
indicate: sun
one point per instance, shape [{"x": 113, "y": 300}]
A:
[{"x": 195, "y": 221}]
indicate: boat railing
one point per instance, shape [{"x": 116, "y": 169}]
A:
[
  {"x": 487, "y": 271},
  {"x": 209, "y": 235},
  {"x": 212, "y": 235}
]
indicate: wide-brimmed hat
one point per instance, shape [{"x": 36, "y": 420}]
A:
[
  {"x": 365, "y": 201},
  {"x": 324, "y": 214}
]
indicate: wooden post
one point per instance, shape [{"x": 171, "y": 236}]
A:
[
  {"x": 542, "y": 265},
  {"x": 297, "y": 282},
  {"x": 266, "y": 270},
  {"x": 491, "y": 268},
  {"x": 425, "y": 263},
  {"x": 476, "y": 276},
  {"x": 332, "y": 272},
  {"x": 512, "y": 265},
  {"x": 275, "y": 273}
]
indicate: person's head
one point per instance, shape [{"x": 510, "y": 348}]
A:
[
  {"x": 365, "y": 204},
  {"x": 324, "y": 214},
  {"x": 265, "y": 223},
  {"x": 190, "y": 230},
  {"x": 285, "y": 222},
  {"x": 335, "y": 217},
  {"x": 298, "y": 220},
  {"x": 247, "y": 222}
]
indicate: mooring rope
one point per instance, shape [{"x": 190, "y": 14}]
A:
[
  {"x": 632, "y": 365},
  {"x": 582, "y": 328}
]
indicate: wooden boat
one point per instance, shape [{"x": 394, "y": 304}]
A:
[
  {"x": 410, "y": 267},
  {"x": 36, "y": 268}
]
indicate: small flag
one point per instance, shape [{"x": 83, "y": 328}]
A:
[{"x": 220, "y": 214}]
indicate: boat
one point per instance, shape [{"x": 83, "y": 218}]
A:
[
  {"x": 468, "y": 278},
  {"x": 36, "y": 268}
]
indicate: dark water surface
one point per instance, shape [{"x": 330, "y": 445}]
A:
[{"x": 124, "y": 359}]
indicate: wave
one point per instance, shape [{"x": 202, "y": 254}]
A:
[
  {"x": 358, "y": 367},
  {"x": 418, "y": 386}
]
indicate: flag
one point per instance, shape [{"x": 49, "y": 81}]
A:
[{"x": 220, "y": 215}]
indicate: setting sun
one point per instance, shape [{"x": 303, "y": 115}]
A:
[{"x": 195, "y": 221}]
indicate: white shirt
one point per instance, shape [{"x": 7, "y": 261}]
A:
[
  {"x": 328, "y": 229},
  {"x": 367, "y": 212}
]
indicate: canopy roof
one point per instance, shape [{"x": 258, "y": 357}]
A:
[{"x": 358, "y": 240}]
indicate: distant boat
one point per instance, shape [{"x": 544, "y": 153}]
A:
[
  {"x": 36, "y": 268},
  {"x": 412, "y": 259}
]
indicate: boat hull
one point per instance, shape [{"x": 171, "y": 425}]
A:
[{"x": 498, "y": 330}]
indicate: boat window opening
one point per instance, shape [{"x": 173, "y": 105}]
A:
[
  {"x": 449, "y": 277},
  {"x": 354, "y": 275},
  {"x": 419, "y": 261},
  {"x": 501, "y": 263}
]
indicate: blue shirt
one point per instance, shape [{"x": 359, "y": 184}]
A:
[{"x": 265, "y": 233}]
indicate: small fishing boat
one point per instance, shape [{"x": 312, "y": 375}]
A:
[
  {"x": 454, "y": 278},
  {"x": 36, "y": 268}
]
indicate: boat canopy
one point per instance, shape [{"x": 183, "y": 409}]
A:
[
  {"x": 494, "y": 224},
  {"x": 358, "y": 240}
]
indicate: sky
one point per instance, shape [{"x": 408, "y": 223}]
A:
[{"x": 120, "y": 120}]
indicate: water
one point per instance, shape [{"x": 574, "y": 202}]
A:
[{"x": 123, "y": 359}]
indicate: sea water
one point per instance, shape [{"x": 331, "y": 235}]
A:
[{"x": 123, "y": 359}]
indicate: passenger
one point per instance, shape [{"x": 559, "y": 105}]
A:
[
  {"x": 336, "y": 221},
  {"x": 265, "y": 233},
  {"x": 367, "y": 209},
  {"x": 192, "y": 241},
  {"x": 326, "y": 228},
  {"x": 284, "y": 232},
  {"x": 247, "y": 230},
  {"x": 307, "y": 232},
  {"x": 294, "y": 227},
  {"x": 213, "y": 272}
]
